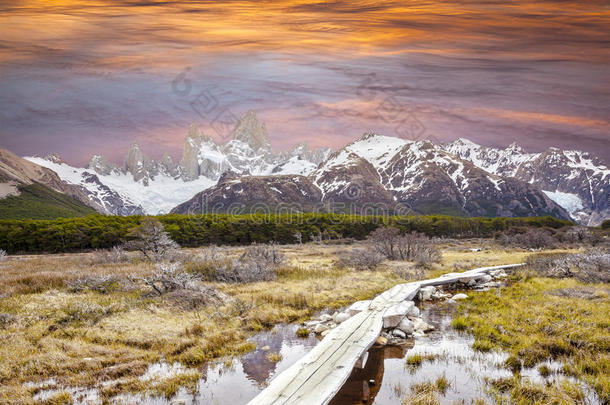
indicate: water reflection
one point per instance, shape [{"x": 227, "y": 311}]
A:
[
  {"x": 364, "y": 383},
  {"x": 381, "y": 379}
]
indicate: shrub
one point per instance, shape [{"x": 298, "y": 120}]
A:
[
  {"x": 530, "y": 239},
  {"x": 361, "y": 259},
  {"x": 170, "y": 277},
  {"x": 114, "y": 255},
  {"x": 257, "y": 263},
  {"x": 151, "y": 240},
  {"x": 388, "y": 242},
  {"x": 426, "y": 254},
  {"x": 592, "y": 266},
  {"x": 101, "y": 284},
  {"x": 268, "y": 254}
]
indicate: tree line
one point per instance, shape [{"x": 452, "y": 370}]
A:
[{"x": 99, "y": 231}]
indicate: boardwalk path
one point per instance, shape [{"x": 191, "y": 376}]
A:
[{"x": 318, "y": 376}]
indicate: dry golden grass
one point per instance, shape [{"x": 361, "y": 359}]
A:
[{"x": 86, "y": 338}]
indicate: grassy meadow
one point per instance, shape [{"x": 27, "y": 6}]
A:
[{"x": 56, "y": 334}]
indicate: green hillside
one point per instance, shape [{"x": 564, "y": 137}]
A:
[{"x": 40, "y": 202}]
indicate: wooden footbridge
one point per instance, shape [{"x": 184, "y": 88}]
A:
[{"x": 317, "y": 377}]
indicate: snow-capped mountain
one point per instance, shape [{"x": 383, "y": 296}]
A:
[
  {"x": 577, "y": 181},
  {"x": 372, "y": 174},
  {"x": 145, "y": 186},
  {"x": 378, "y": 174}
]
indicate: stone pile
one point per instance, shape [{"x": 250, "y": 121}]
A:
[{"x": 403, "y": 321}]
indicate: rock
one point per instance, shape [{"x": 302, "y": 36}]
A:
[
  {"x": 420, "y": 326},
  {"x": 501, "y": 275},
  {"x": 418, "y": 334},
  {"x": 393, "y": 315},
  {"x": 451, "y": 301},
  {"x": 320, "y": 328},
  {"x": 406, "y": 326},
  {"x": 310, "y": 324},
  {"x": 470, "y": 281},
  {"x": 326, "y": 317},
  {"x": 485, "y": 279},
  {"x": 460, "y": 296},
  {"x": 413, "y": 311},
  {"x": 358, "y": 307},
  {"x": 265, "y": 348},
  {"x": 326, "y": 332},
  {"x": 381, "y": 341},
  {"x": 399, "y": 334},
  {"x": 438, "y": 295},
  {"x": 425, "y": 293},
  {"x": 340, "y": 317}
]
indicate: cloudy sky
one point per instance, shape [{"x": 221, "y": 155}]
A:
[{"x": 85, "y": 77}]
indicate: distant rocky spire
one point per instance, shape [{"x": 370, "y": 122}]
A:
[
  {"x": 190, "y": 153},
  {"x": 100, "y": 165},
  {"x": 251, "y": 131}
]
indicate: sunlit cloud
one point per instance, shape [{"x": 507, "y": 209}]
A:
[{"x": 95, "y": 73}]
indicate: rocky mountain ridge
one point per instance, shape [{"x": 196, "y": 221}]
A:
[
  {"x": 383, "y": 175},
  {"x": 576, "y": 180},
  {"x": 372, "y": 174},
  {"x": 144, "y": 185}
]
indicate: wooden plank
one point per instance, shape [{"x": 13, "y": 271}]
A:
[{"x": 319, "y": 375}]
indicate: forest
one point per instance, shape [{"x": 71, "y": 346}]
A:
[{"x": 99, "y": 231}]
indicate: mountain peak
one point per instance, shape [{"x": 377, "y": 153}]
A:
[
  {"x": 55, "y": 158},
  {"x": 465, "y": 142},
  {"x": 100, "y": 165},
  {"x": 514, "y": 147},
  {"x": 193, "y": 132},
  {"x": 251, "y": 131}
]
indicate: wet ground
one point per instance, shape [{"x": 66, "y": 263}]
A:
[{"x": 383, "y": 380}]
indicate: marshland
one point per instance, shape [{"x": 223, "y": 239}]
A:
[{"x": 97, "y": 326}]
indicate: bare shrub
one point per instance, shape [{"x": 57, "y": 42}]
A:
[
  {"x": 170, "y": 277},
  {"x": 592, "y": 266},
  {"x": 361, "y": 259},
  {"x": 114, "y": 255},
  {"x": 411, "y": 246},
  {"x": 256, "y": 263},
  {"x": 269, "y": 254},
  {"x": 427, "y": 254},
  {"x": 192, "y": 299},
  {"x": 530, "y": 239},
  {"x": 410, "y": 272},
  {"x": 101, "y": 284},
  {"x": 153, "y": 242}
]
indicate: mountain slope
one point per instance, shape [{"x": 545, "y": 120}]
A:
[
  {"x": 31, "y": 191},
  {"x": 249, "y": 194},
  {"x": 577, "y": 181},
  {"x": 36, "y": 201},
  {"x": 145, "y": 186},
  {"x": 370, "y": 175},
  {"x": 378, "y": 175}
]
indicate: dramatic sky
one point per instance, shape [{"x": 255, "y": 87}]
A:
[{"x": 85, "y": 77}]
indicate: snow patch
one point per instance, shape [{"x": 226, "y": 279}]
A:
[{"x": 568, "y": 201}]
